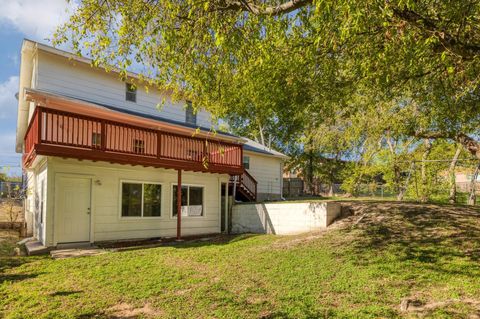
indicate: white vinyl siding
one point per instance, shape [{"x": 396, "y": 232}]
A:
[
  {"x": 39, "y": 200},
  {"x": 108, "y": 223},
  {"x": 61, "y": 76},
  {"x": 267, "y": 171}
]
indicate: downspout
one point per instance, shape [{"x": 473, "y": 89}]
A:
[{"x": 281, "y": 181}]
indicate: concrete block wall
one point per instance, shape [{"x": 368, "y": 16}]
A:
[{"x": 283, "y": 218}]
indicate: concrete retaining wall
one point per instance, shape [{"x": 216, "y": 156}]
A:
[{"x": 283, "y": 218}]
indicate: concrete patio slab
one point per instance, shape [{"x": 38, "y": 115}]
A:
[{"x": 76, "y": 252}]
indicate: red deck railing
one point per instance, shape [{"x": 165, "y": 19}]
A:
[{"x": 65, "y": 134}]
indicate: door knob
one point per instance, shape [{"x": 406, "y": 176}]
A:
[{"x": 88, "y": 210}]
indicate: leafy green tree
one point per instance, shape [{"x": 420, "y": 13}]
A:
[
  {"x": 298, "y": 56},
  {"x": 363, "y": 80}
]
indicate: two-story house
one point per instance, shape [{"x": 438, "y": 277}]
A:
[{"x": 102, "y": 162}]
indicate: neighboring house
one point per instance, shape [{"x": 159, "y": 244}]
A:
[
  {"x": 463, "y": 177},
  {"x": 463, "y": 181},
  {"x": 103, "y": 163}
]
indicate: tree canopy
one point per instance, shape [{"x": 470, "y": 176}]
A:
[
  {"x": 282, "y": 62},
  {"x": 329, "y": 76}
]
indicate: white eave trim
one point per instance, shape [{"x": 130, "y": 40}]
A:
[{"x": 279, "y": 156}]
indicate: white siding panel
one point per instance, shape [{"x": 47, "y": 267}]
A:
[
  {"x": 30, "y": 202},
  {"x": 267, "y": 171},
  {"x": 62, "y": 76},
  {"x": 108, "y": 225}
]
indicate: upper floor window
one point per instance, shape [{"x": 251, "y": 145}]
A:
[
  {"x": 190, "y": 115},
  {"x": 96, "y": 140},
  {"x": 138, "y": 146},
  {"x": 130, "y": 92},
  {"x": 246, "y": 162}
]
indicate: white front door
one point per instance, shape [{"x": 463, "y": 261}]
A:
[{"x": 73, "y": 207}]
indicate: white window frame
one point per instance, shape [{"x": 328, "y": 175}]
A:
[
  {"x": 96, "y": 139},
  {"x": 138, "y": 146},
  {"x": 188, "y": 200},
  {"x": 128, "y": 90},
  {"x": 162, "y": 200},
  {"x": 189, "y": 108},
  {"x": 243, "y": 161}
]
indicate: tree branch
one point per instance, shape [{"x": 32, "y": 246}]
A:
[
  {"x": 471, "y": 145},
  {"x": 434, "y": 135},
  {"x": 256, "y": 9},
  {"x": 448, "y": 41}
]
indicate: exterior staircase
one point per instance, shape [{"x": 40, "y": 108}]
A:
[{"x": 244, "y": 187}]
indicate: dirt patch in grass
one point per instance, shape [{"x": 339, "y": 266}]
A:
[
  {"x": 423, "y": 309},
  {"x": 127, "y": 311}
]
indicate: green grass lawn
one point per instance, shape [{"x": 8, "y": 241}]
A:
[{"x": 427, "y": 253}]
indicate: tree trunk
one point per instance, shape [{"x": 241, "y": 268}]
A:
[
  {"x": 426, "y": 153},
  {"x": 330, "y": 190},
  {"x": 310, "y": 172},
  {"x": 396, "y": 176},
  {"x": 473, "y": 184},
  {"x": 403, "y": 190},
  {"x": 366, "y": 158},
  {"x": 262, "y": 137},
  {"x": 392, "y": 144},
  {"x": 452, "y": 199}
]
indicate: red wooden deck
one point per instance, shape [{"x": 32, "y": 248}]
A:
[{"x": 70, "y": 135}]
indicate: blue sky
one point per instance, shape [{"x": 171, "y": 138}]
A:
[{"x": 19, "y": 19}]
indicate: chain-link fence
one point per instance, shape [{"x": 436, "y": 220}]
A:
[{"x": 297, "y": 187}]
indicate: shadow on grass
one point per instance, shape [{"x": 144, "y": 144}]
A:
[
  {"x": 65, "y": 293},
  {"x": 8, "y": 261},
  {"x": 185, "y": 242},
  {"x": 423, "y": 233},
  {"x": 16, "y": 277},
  {"x": 217, "y": 240}
]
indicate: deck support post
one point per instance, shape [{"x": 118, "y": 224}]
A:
[{"x": 179, "y": 204}]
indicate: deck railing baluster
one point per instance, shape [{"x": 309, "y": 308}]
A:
[{"x": 65, "y": 129}]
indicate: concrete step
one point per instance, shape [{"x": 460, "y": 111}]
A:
[
  {"x": 77, "y": 245},
  {"x": 36, "y": 248}
]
